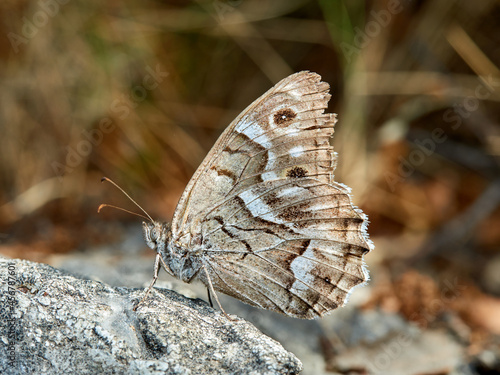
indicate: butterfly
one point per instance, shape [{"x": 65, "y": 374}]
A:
[{"x": 262, "y": 218}]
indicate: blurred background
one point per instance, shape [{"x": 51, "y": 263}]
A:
[{"x": 139, "y": 91}]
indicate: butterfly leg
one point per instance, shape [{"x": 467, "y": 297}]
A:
[
  {"x": 212, "y": 291},
  {"x": 209, "y": 298},
  {"x": 155, "y": 277}
]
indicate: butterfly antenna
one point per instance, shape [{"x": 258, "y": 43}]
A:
[
  {"x": 121, "y": 209},
  {"x": 129, "y": 197}
]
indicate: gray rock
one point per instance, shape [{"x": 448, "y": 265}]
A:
[
  {"x": 378, "y": 342},
  {"x": 54, "y": 323}
]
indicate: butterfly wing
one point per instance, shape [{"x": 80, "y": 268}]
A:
[{"x": 276, "y": 231}]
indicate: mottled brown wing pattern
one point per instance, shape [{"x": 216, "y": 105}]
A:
[
  {"x": 289, "y": 114},
  {"x": 276, "y": 231},
  {"x": 299, "y": 242}
]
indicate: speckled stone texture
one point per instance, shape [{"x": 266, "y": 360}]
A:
[{"x": 54, "y": 323}]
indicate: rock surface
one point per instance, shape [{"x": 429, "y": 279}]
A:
[{"x": 54, "y": 323}]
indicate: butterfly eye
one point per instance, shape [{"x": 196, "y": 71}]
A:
[
  {"x": 155, "y": 235},
  {"x": 151, "y": 234}
]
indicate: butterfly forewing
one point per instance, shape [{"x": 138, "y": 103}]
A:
[
  {"x": 276, "y": 231},
  {"x": 278, "y": 117}
]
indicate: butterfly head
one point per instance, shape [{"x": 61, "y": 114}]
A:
[
  {"x": 175, "y": 259},
  {"x": 156, "y": 235}
]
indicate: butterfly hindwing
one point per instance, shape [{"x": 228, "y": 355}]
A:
[{"x": 299, "y": 237}]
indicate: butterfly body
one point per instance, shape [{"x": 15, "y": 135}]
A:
[
  {"x": 262, "y": 218},
  {"x": 182, "y": 263}
]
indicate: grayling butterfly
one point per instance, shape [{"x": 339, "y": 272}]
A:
[{"x": 262, "y": 219}]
